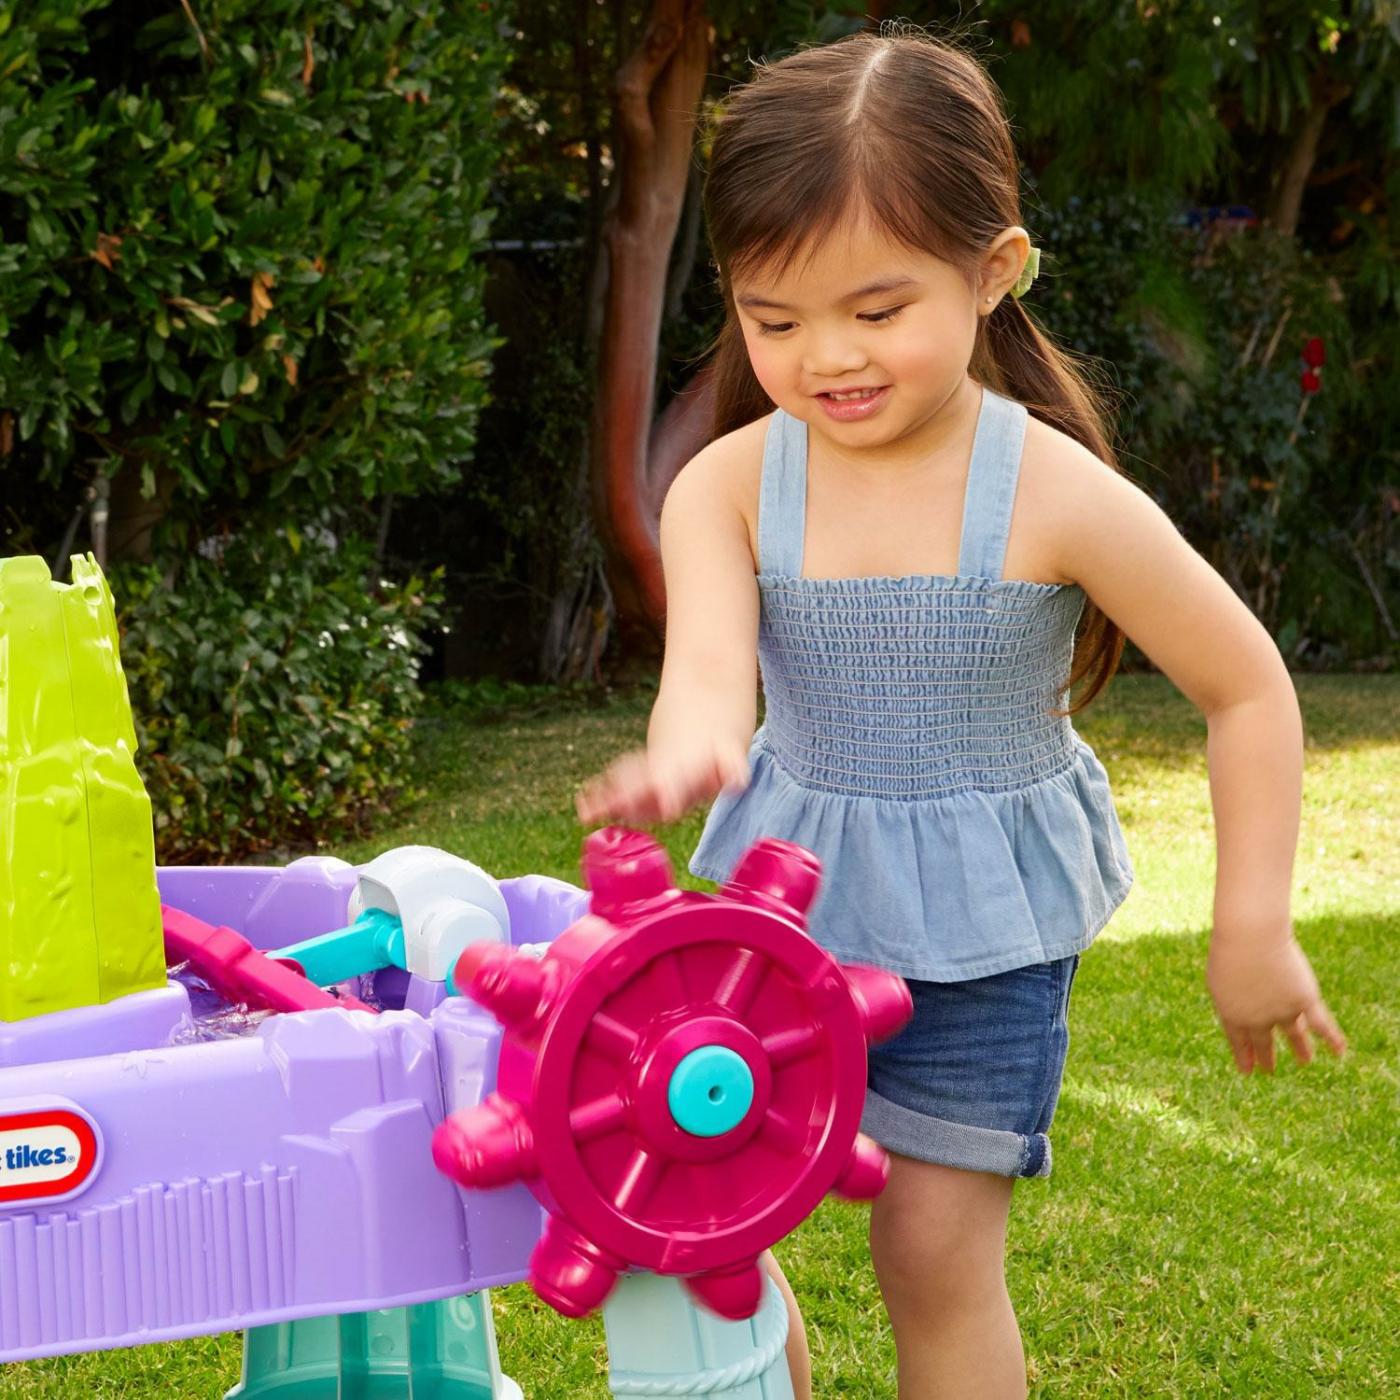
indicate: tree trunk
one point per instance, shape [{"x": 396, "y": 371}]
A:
[
  {"x": 1286, "y": 201},
  {"x": 133, "y": 517},
  {"x": 686, "y": 246},
  {"x": 632, "y": 459},
  {"x": 579, "y": 619}
]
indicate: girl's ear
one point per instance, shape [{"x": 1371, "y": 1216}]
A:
[{"x": 1001, "y": 265}]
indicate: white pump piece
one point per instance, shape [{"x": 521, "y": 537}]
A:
[{"x": 442, "y": 901}]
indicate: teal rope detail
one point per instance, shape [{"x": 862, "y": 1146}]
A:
[{"x": 772, "y": 1338}]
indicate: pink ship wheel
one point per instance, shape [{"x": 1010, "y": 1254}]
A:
[{"x": 681, "y": 1078}]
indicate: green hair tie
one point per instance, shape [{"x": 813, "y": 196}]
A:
[{"x": 1028, "y": 274}]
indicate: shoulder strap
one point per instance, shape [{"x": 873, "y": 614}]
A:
[
  {"x": 782, "y": 497},
  {"x": 991, "y": 485}
]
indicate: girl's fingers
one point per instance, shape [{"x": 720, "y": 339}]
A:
[
  {"x": 686, "y": 790},
  {"x": 671, "y": 800},
  {"x": 591, "y": 803},
  {"x": 1297, "y": 1032},
  {"x": 678, "y": 791},
  {"x": 642, "y": 800},
  {"x": 1240, "y": 1049},
  {"x": 612, "y": 794},
  {"x": 1320, "y": 1020},
  {"x": 633, "y": 789},
  {"x": 733, "y": 770},
  {"x": 600, "y": 797},
  {"x": 1254, "y": 1048}
]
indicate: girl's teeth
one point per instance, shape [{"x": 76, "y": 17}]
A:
[{"x": 863, "y": 394}]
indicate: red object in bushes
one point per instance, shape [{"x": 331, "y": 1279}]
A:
[
  {"x": 1314, "y": 355},
  {"x": 1311, "y": 381}
]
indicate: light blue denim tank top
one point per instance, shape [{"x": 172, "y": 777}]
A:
[{"x": 908, "y": 741}]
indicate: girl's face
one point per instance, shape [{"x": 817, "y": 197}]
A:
[{"x": 866, "y": 313}]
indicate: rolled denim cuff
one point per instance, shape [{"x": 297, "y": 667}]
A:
[{"x": 949, "y": 1144}]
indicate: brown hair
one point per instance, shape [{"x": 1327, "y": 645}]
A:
[{"x": 912, "y": 129}]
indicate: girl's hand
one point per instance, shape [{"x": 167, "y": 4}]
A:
[
  {"x": 647, "y": 786},
  {"x": 1262, "y": 983}
]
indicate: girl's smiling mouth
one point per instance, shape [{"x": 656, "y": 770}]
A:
[{"x": 862, "y": 405}]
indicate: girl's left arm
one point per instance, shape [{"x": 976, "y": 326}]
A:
[{"x": 1111, "y": 538}]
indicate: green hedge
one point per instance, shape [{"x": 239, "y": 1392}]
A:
[
  {"x": 273, "y": 693},
  {"x": 239, "y": 287},
  {"x": 236, "y": 248}
]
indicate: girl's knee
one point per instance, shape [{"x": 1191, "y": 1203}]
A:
[
  {"x": 943, "y": 1272},
  {"x": 940, "y": 1233}
]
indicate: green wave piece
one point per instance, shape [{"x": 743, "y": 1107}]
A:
[{"x": 79, "y": 909}]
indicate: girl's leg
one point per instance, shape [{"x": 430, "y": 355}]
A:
[
  {"x": 799, "y": 1361},
  {"x": 938, "y": 1242}
]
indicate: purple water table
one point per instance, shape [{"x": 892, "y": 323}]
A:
[{"x": 283, "y": 1173}]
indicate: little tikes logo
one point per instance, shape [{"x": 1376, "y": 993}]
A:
[{"x": 47, "y": 1153}]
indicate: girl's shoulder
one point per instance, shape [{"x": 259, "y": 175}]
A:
[
  {"x": 726, "y": 475},
  {"x": 1052, "y": 460},
  {"x": 1062, "y": 488},
  {"x": 1074, "y": 502},
  {"x": 735, "y": 457}
]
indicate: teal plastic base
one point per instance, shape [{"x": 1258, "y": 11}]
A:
[
  {"x": 660, "y": 1343},
  {"x": 431, "y": 1351}
]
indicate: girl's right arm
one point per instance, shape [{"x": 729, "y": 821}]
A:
[{"x": 706, "y": 707}]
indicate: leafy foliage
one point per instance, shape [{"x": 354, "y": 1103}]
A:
[
  {"x": 239, "y": 278},
  {"x": 1173, "y": 96},
  {"x": 273, "y": 693},
  {"x": 238, "y": 248},
  {"x": 1202, "y": 335}
]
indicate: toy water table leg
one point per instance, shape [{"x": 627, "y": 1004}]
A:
[
  {"x": 660, "y": 1343},
  {"x": 430, "y": 1351}
]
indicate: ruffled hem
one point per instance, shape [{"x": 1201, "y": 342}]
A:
[{"x": 943, "y": 889}]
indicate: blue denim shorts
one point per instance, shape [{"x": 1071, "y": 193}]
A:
[{"x": 973, "y": 1079}]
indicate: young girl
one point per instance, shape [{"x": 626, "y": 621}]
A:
[{"x": 908, "y": 509}]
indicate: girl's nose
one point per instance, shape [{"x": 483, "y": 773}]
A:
[{"x": 830, "y": 363}]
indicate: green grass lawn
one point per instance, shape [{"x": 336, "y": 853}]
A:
[{"x": 1202, "y": 1234}]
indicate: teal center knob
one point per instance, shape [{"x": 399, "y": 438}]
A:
[{"x": 710, "y": 1091}]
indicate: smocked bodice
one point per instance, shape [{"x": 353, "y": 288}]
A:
[{"x": 916, "y": 687}]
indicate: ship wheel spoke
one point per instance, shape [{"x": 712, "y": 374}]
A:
[
  {"x": 598, "y": 1118},
  {"x": 741, "y": 980},
  {"x": 640, "y": 1179},
  {"x": 610, "y": 1037},
  {"x": 782, "y": 1132},
  {"x": 712, "y": 1194},
  {"x": 668, "y": 981},
  {"x": 783, "y": 1047}
]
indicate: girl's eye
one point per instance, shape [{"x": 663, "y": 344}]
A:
[{"x": 870, "y": 317}]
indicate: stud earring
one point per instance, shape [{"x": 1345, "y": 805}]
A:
[{"x": 989, "y": 300}]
